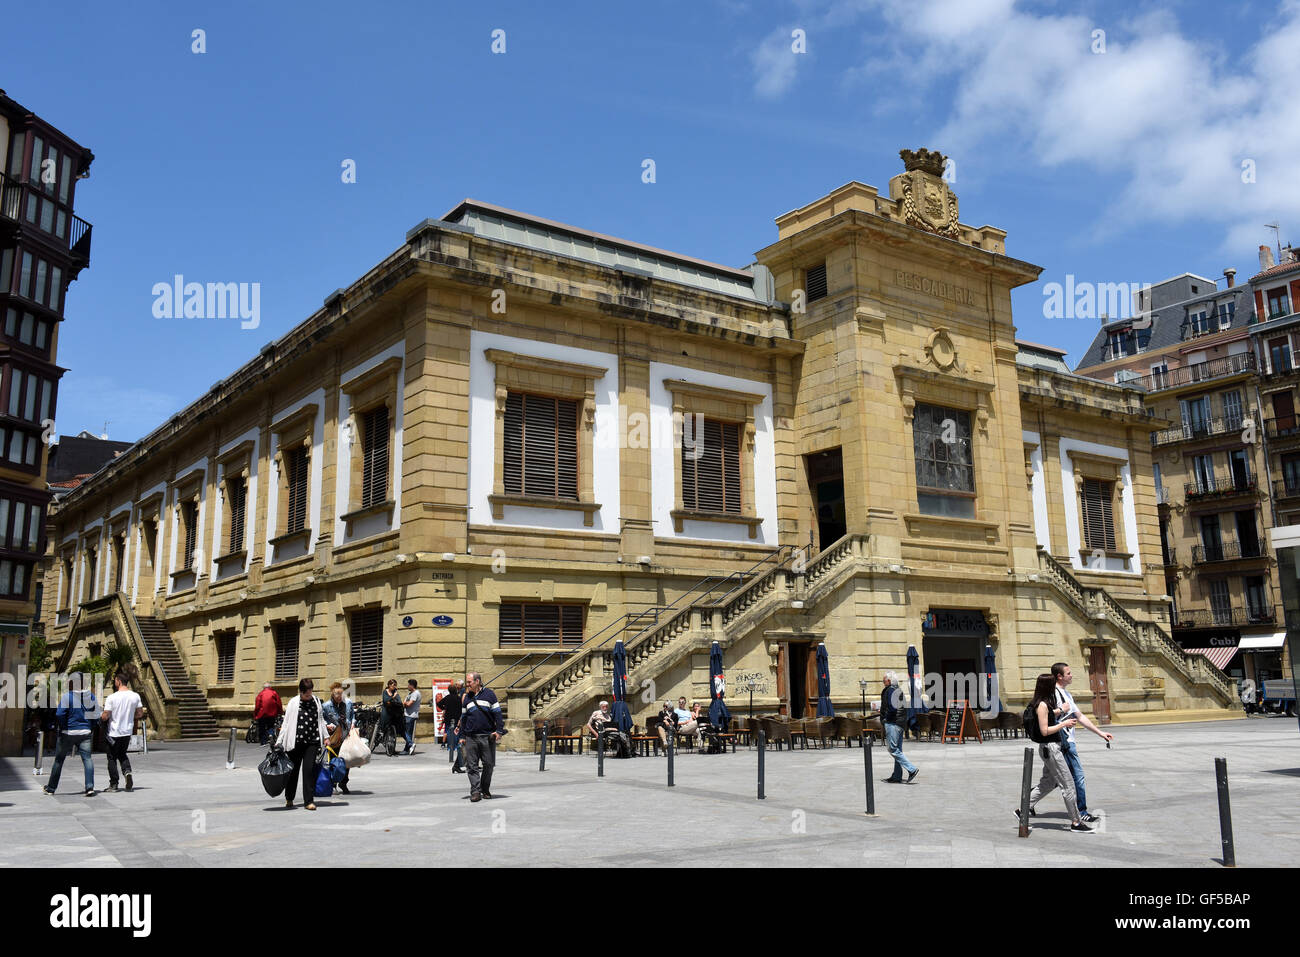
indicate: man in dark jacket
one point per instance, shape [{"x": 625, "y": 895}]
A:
[
  {"x": 481, "y": 727},
  {"x": 77, "y": 713},
  {"x": 893, "y": 715},
  {"x": 450, "y": 706}
]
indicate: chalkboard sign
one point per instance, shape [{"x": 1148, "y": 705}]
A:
[{"x": 959, "y": 723}]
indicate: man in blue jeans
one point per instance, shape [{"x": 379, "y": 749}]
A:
[
  {"x": 893, "y": 716},
  {"x": 1066, "y": 709},
  {"x": 412, "y": 706},
  {"x": 77, "y": 710}
]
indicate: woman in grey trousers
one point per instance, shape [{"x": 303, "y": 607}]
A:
[{"x": 1056, "y": 773}]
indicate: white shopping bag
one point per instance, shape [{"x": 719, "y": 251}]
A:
[{"x": 354, "y": 751}]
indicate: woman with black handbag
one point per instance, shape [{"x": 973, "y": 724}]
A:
[{"x": 303, "y": 736}]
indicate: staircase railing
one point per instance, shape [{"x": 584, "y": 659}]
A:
[{"x": 1148, "y": 637}]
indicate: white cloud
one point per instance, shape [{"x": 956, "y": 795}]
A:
[
  {"x": 1163, "y": 109},
  {"x": 775, "y": 63}
]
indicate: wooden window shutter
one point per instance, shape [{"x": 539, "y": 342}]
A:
[
  {"x": 1098, "y": 520},
  {"x": 540, "y": 623},
  {"x": 287, "y": 635},
  {"x": 540, "y": 448},
  {"x": 731, "y": 467},
  {"x": 815, "y": 280},
  {"x": 510, "y": 625},
  {"x": 367, "y": 640},
  {"x": 374, "y": 450},
  {"x": 711, "y": 469},
  {"x": 571, "y": 622},
  {"x": 225, "y": 658},
  {"x": 238, "y": 493},
  {"x": 189, "y": 517},
  {"x": 296, "y": 468}
]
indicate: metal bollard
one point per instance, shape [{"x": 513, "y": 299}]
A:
[
  {"x": 671, "y": 740},
  {"x": 1026, "y": 783},
  {"x": 1225, "y": 813},
  {"x": 868, "y": 740},
  {"x": 762, "y": 753},
  {"x": 600, "y": 755},
  {"x": 541, "y": 765},
  {"x": 230, "y": 754},
  {"x": 40, "y": 751}
]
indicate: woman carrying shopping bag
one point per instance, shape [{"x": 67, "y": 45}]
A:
[
  {"x": 302, "y": 736},
  {"x": 339, "y": 718}
]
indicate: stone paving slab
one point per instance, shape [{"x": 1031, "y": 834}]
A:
[{"x": 1156, "y": 788}]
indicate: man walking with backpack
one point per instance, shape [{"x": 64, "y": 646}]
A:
[
  {"x": 481, "y": 727},
  {"x": 1066, "y": 709}
]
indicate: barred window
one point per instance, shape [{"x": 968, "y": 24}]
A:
[
  {"x": 287, "y": 634},
  {"x": 540, "y": 450},
  {"x": 945, "y": 470},
  {"x": 540, "y": 623},
  {"x": 226, "y": 658},
  {"x": 295, "y": 464},
  {"x": 815, "y": 282},
  {"x": 367, "y": 641},
  {"x": 711, "y": 466},
  {"x": 237, "y": 495},
  {"x": 1098, "y": 520},
  {"x": 374, "y": 463}
]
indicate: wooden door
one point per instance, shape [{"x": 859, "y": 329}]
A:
[
  {"x": 1283, "y": 412},
  {"x": 782, "y": 676},
  {"x": 810, "y": 683},
  {"x": 1099, "y": 681}
]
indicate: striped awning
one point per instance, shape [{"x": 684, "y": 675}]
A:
[{"x": 1219, "y": 657}]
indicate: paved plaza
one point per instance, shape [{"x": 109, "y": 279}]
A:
[{"x": 1156, "y": 789}]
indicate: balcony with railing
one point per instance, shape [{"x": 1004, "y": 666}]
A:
[
  {"x": 1225, "y": 615},
  {"x": 1220, "y": 486},
  {"x": 19, "y": 203},
  {"x": 1162, "y": 495},
  {"x": 1286, "y": 488},
  {"x": 1200, "y": 429},
  {"x": 1170, "y": 557},
  {"x": 1228, "y": 550},
  {"x": 1196, "y": 374},
  {"x": 1282, "y": 429}
]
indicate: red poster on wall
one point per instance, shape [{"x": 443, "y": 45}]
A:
[{"x": 441, "y": 687}]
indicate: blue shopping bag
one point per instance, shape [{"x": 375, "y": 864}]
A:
[{"x": 324, "y": 783}]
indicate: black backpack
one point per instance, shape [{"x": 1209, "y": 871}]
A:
[{"x": 1029, "y": 719}]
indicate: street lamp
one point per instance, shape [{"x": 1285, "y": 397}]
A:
[
  {"x": 863, "y": 685},
  {"x": 751, "y": 684}
]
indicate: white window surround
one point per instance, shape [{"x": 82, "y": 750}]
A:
[
  {"x": 173, "y": 500},
  {"x": 1073, "y": 534},
  {"x": 126, "y": 539},
  {"x": 343, "y": 485},
  {"x": 664, "y": 459},
  {"x": 482, "y": 438},
  {"x": 250, "y": 502},
  {"x": 83, "y": 539},
  {"x": 161, "y": 487},
  {"x": 317, "y": 469},
  {"x": 1038, "y": 493}
]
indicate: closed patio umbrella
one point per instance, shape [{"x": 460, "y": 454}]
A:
[
  {"x": 992, "y": 700},
  {"x": 914, "y": 684},
  {"x": 719, "y": 715},
  {"x": 622, "y": 716},
  {"x": 824, "y": 707}
]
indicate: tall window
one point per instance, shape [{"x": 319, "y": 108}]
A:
[
  {"x": 1122, "y": 344},
  {"x": 1211, "y": 538},
  {"x": 540, "y": 452},
  {"x": 1196, "y": 416},
  {"x": 1203, "y": 473},
  {"x": 1279, "y": 302},
  {"x": 1257, "y": 607},
  {"x": 1199, "y": 322},
  {"x": 21, "y": 525},
  {"x": 711, "y": 466},
  {"x": 1098, "y": 518},
  {"x": 1232, "y": 410},
  {"x": 225, "y": 657},
  {"x": 366, "y": 640},
  {"x": 287, "y": 634},
  {"x": 237, "y": 494},
  {"x": 540, "y": 623},
  {"x": 295, "y": 463},
  {"x": 189, "y": 536},
  {"x": 14, "y": 578},
  {"x": 374, "y": 465},
  {"x": 945, "y": 470},
  {"x": 1220, "y": 602},
  {"x": 1226, "y": 312},
  {"x": 1279, "y": 354}
]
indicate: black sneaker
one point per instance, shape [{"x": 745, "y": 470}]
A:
[
  {"x": 129, "y": 784},
  {"x": 912, "y": 777},
  {"x": 893, "y": 780},
  {"x": 47, "y": 790},
  {"x": 111, "y": 789},
  {"x": 1081, "y": 828},
  {"x": 90, "y": 792},
  {"x": 487, "y": 795}
]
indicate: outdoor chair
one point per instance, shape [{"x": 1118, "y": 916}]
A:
[
  {"x": 924, "y": 726},
  {"x": 776, "y": 732},
  {"x": 1009, "y": 722},
  {"x": 820, "y": 730},
  {"x": 988, "y": 727},
  {"x": 848, "y": 727},
  {"x": 874, "y": 727}
]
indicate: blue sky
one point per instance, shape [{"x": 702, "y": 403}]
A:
[{"x": 1115, "y": 166}]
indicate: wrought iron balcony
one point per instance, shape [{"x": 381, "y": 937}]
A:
[
  {"x": 1201, "y": 429},
  {"x": 1162, "y": 495},
  {"x": 1220, "y": 487},
  {"x": 1286, "y": 427},
  {"x": 1225, "y": 615},
  {"x": 1171, "y": 557},
  {"x": 18, "y": 205},
  {"x": 1282, "y": 488},
  {"x": 1201, "y": 372},
  {"x": 1228, "y": 550}
]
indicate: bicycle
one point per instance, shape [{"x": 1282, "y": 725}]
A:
[
  {"x": 371, "y": 728},
  {"x": 252, "y": 735}
]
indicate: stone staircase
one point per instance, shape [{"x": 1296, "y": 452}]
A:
[
  {"x": 196, "y": 721},
  {"x": 1146, "y": 637}
]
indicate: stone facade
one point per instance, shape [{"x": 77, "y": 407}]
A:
[{"x": 634, "y": 345}]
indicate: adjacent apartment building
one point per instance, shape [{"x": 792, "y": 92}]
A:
[
  {"x": 1193, "y": 346},
  {"x": 514, "y": 442},
  {"x": 43, "y": 246}
]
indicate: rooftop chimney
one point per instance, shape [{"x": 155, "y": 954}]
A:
[
  {"x": 1265, "y": 257},
  {"x": 1231, "y": 275}
]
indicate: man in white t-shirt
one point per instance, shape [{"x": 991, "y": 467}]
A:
[
  {"x": 1067, "y": 709},
  {"x": 121, "y": 709},
  {"x": 412, "y": 713}
]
